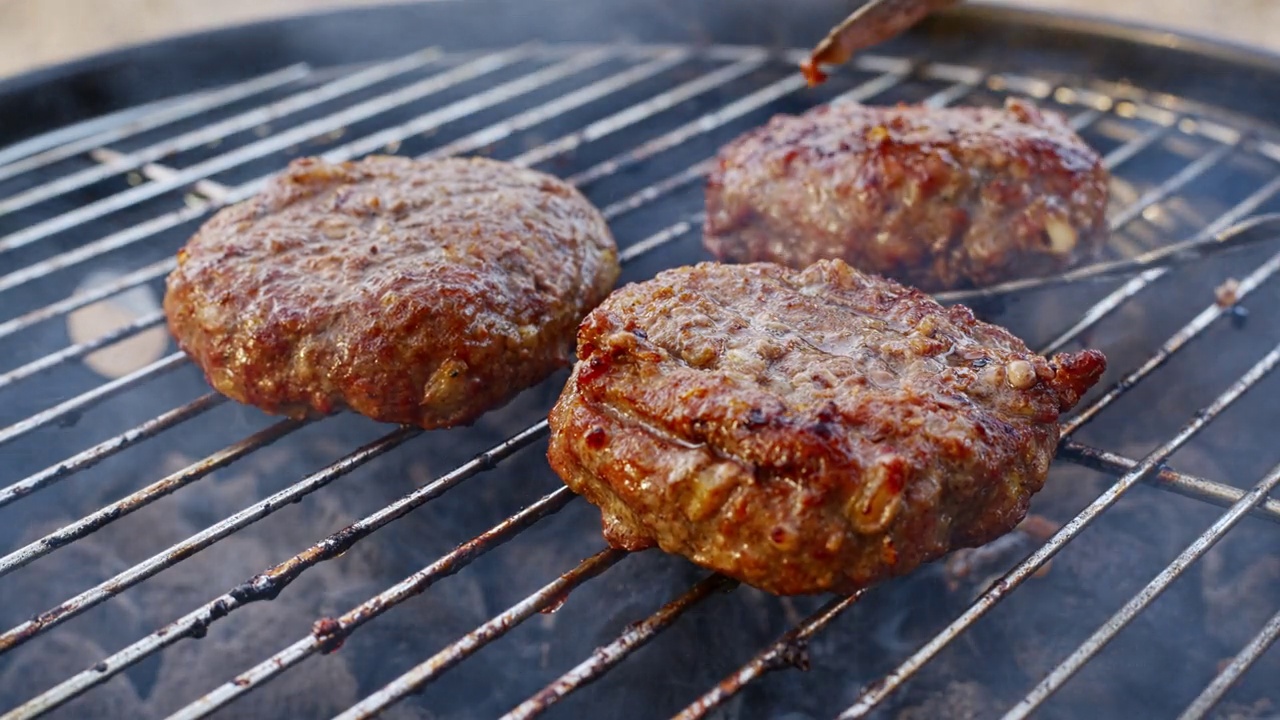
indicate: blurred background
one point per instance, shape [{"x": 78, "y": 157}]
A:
[{"x": 34, "y": 33}]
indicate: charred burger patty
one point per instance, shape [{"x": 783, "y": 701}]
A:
[
  {"x": 805, "y": 431},
  {"x": 936, "y": 198},
  {"x": 416, "y": 292}
]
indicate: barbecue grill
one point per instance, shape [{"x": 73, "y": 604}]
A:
[{"x": 166, "y": 553}]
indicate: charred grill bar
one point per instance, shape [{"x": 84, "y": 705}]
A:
[{"x": 1164, "y": 150}]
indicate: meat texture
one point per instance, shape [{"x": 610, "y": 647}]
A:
[
  {"x": 936, "y": 198},
  {"x": 805, "y": 431},
  {"x": 416, "y": 292}
]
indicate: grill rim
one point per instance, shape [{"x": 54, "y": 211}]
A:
[{"x": 192, "y": 62}]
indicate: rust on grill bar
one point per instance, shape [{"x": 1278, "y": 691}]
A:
[
  {"x": 1199, "y": 488},
  {"x": 329, "y": 633},
  {"x": 788, "y": 651},
  {"x": 730, "y": 88},
  {"x": 551, "y": 595},
  {"x": 1099, "y": 639},
  {"x": 881, "y": 689},
  {"x": 607, "y": 656},
  {"x": 105, "y": 449}
]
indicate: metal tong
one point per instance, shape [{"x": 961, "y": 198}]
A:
[
  {"x": 875, "y": 22},
  {"x": 1246, "y": 233}
]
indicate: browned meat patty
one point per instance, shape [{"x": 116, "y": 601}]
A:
[
  {"x": 936, "y": 198},
  {"x": 805, "y": 431},
  {"x": 416, "y": 292}
]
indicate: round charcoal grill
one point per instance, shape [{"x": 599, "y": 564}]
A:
[{"x": 166, "y": 553}]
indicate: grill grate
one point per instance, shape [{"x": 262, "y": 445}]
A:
[{"x": 123, "y": 195}]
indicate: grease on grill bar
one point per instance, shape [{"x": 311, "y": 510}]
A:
[{"x": 641, "y": 159}]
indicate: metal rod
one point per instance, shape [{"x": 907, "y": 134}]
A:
[
  {"x": 878, "y": 691},
  {"x": 210, "y": 133},
  {"x": 329, "y": 633},
  {"x": 726, "y": 114},
  {"x": 72, "y": 352},
  {"x": 1239, "y": 664},
  {"x": 195, "y": 623},
  {"x": 107, "y": 448},
  {"x": 74, "y": 302},
  {"x": 550, "y": 595},
  {"x": 269, "y": 583},
  {"x": 69, "y": 410},
  {"x": 140, "y": 499},
  {"x": 606, "y": 657},
  {"x": 790, "y": 650},
  {"x": 660, "y": 238},
  {"x": 1099, "y": 639},
  {"x": 1244, "y": 234},
  {"x": 562, "y": 104},
  {"x": 1109, "y": 304},
  {"x": 472, "y": 104},
  {"x": 1214, "y": 493},
  {"x": 642, "y": 110},
  {"x": 273, "y": 143},
  {"x": 157, "y": 117}
]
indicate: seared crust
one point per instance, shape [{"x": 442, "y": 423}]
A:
[
  {"x": 936, "y": 198},
  {"x": 805, "y": 431},
  {"x": 416, "y": 292}
]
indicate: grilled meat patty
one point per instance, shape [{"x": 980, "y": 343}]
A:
[
  {"x": 416, "y": 292},
  {"x": 936, "y": 198},
  {"x": 805, "y": 431}
]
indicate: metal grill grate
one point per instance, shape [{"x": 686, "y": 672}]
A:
[{"x": 634, "y": 126}]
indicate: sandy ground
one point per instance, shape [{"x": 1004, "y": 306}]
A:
[{"x": 41, "y": 32}]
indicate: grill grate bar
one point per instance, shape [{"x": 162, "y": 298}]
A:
[
  {"x": 728, "y": 113},
  {"x": 72, "y": 352},
  {"x": 329, "y": 633},
  {"x": 1171, "y": 184},
  {"x": 329, "y": 123},
  {"x": 1069, "y": 667},
  {"x": 788, "y": 651},
  {"x": 564, "y": 103},
  {"x": 196, "y": 622},
  {"x": 210, "y": 133},
  {"x": 69, "y": 410},
  {"x": 878, "y": 691},
  {"x": 163, "y": 173},
  {"x": 1125, "y": 152},
  {"x": 140, "y": 499},
  {"x": 1214, "y": 493},
  {"x": 475, "y": 103},
  {"x": 606, "y": 657},
  {"x": 272, "y": 143},
  {"x": 1247, "y": 656},
  {"x": 554, "y": 592},
  {"x": 1176, "y": 342},
  {"x": 1109, "y": 304},
  {"x": 151, "y": 118},
  {"x": 109, "y": 447},
  {"x": 88, "y": 297},
  {"x": 641, "y": 111}
]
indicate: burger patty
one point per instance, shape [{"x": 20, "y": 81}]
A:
[
  {"x": 936, "y": 198},
  {"x": 805, "y": 431},
  {"x": 415, "y": 292}
]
